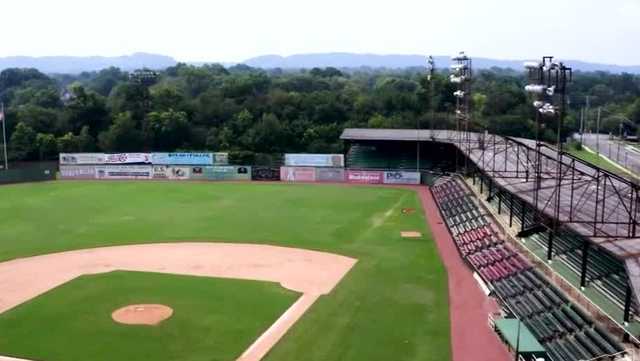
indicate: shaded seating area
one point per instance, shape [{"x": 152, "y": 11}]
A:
[
  {"x": 592, "y": 266},
  {"x": 382, "y": 155},
  {"x": 566, "y": 333},
  {"x": 604, "y": 272}
]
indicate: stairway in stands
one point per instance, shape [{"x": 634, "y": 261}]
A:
[{"x": 562, "y": 328}]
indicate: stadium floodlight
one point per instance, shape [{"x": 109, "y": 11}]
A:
[
  {"x": 551, "y": 90},
  {"x": 458, "y": 66},
  {"x": 458, "y": 94},
  {"x": 431, "y": 66},
  {"x": 535, "y": 88},
  {"x": 532, "y": 65},
  {"x": 460, "y": 57},
  {"x": 457, "y": 79},
  {"x": 548, "y": 110},
  {"x": 553, "y": 66}
]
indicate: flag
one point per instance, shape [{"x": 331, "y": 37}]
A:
[{"x": 2, "y": 113}]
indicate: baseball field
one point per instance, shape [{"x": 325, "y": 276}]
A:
[{"x": 389, "y": 303}]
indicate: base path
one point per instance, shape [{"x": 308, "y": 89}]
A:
[
  {"x": 469, "y": 308},
  {"x": 311, "y": 273}
]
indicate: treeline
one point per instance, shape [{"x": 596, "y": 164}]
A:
[{"x": 249, "y": 111}]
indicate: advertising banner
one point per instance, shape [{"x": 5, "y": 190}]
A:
[
  {"x": 364, "y": 177},
  {"x": 124, "y": 172},
  {"x": 81, "y": 158},
  {"x": 314, "y": 160},
  {"x": 198, "y": 172},
  {"x": 160, "y": 172},
  {"x": 182, "y": 158},
  {"x": 179, "y": 172},
  {"x": 231, "y": 172},
  {"x": 127, "y": 158},
  {"x": 330, "y": 174},
  {"x": 397, "y": 177},
  {"x": 77, "y": 172},
  {"x": 297, "y": 174},
  {"x": 265, "y": 173},
  {"x": 220, "y": 158}
]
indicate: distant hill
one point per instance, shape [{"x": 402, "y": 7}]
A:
[
  {"x": 350, "y": 60},
  {"x": 75, "y": 64}
]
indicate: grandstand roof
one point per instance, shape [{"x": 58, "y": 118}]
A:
[{"x": 386, "y": 134}]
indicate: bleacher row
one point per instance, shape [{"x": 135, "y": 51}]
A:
[
  {"x": 606, "y": 273},
  {"x": 398, "y": 157},
  {"x": 566, "y": 333}
]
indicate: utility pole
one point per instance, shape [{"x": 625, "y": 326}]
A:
[
  {"x": 619, "y": 141},
  {"x": 598, "y": 131},
  {"x": 581, "y": 126},
  {"x": 586, "y": 112},
  {"x": 3, "y": 119}
]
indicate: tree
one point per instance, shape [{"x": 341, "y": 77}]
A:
[
  {"x": 266, "y": 135},
  {"x": 42, "y": 120},
  {"x": 634, "y": 112},
  {"x": 22, "y": 143},
  {"x": 86, "y": 108},
  {"x": 68, "y": 143},
  {"x": 122, "y": 136},
  {"x": 47, "y": 146},
  {"x": 86, "y": 142},
  {"x": 167, "y": 130}
]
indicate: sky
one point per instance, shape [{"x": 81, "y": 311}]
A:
[{"x": 235, "y": 30}]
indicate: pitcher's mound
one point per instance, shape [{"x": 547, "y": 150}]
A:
[{"x": 142, "y": 314}]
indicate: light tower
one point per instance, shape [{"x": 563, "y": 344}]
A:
[
  {"x": 461, "y": 74},
  {"x": 548, "y": 85}
]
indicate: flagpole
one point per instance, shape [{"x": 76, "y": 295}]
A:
[{"x": 4, "y": 137}]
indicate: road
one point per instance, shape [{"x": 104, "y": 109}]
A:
[{"x": 623, "y": 154}]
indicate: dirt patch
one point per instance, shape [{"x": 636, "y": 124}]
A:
[
  {"x": 408, "y": 210},
  {"x": 144, "y": 314}
]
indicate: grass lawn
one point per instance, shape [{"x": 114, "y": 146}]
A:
[
  {"x": 214, "y": 319},
  {"x": 392, "y": 305},
  {"x": 597, "y": 160}
]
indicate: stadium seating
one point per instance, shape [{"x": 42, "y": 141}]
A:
[
  {"x": 605, "y": 273},
  {"x": 381, "y": 156},
  {"x": 565, "y": 332}
]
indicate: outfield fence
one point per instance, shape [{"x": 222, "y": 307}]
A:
[
  {"x": 328, "y": 168},
  {"x": 32, "y": 174}
]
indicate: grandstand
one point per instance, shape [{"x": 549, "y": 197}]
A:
[
  {"x": 577, "y": 227},
  {"x": 562, "y": 328}
]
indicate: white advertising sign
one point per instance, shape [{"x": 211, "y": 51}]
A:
[
  {"x": 125, "y": 158},
  {"x": 81, "y": 158}
]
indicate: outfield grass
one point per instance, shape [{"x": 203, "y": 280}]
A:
[
  {"x": 213, "y": 320},
  {"x": 392, "y": 306}
]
